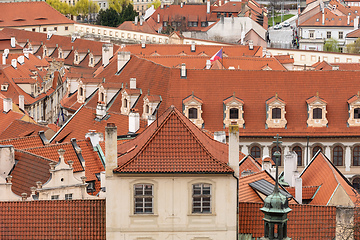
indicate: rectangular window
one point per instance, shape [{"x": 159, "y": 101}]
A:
[
  {"x": 68, "y": 196},
  {"x": 44, "y": 29},
  {"x": 66, "y": 28},
  {"x": 55, "y": 197},
  {"x": 33, "y": 29},
  {"x": 143, "y": 198},
  {"x": 311, "y": 34},
  {"x": 165, "y": 23},
  {"x": 341, "y": 35},
  {"x": 55, "y": 28},
  {"x": 328, "y": 34},
  {"x": 201, "y": 195}
]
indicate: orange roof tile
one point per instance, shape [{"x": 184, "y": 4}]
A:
[
  {"x": 331, "y": 20},
  {"x": 23, "y": 142},
  {"x": 130, "y": 25},
  {"x": 173, "y": 144},
  {"x": 19, "y": 128},
  {"x": 249, "y": 163}
]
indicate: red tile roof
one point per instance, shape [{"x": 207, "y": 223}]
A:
[
  {"x": 249, "y": 163},
  {"x": 307, "y": 191},
  {"x": 28, "y": 170},
  {"x": 354, "y": 34},
  {"x": 17, "y": 14},
  {"x": 130, "y": 26},
  {"x": 19, "y": 128},
  {"x": 23, "y": 142},
  {"x": 55, "y": 219},
  {"x": 305, "y": 222},
  {"x": 331, "y": 20},
  {"x": 173, "y": 144},
  {"x": 321, "y": 172}
]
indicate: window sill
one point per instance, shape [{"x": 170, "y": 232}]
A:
[
  {"x": 144, "y": 215},
  {"x": 201, "y": 214}
]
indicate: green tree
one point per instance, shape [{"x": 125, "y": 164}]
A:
[
  {"x": 109, "y": 17},
  {"x": 156, "y": 4},
  {"x": 128, "y": 13},
  {"x": 62, "y": 7},
  {"x": 331, "y": 45},
  {"x": 84, "y": 7},
  {"x": 118, "y": 5},
  {"x": 353, "y": 47}
]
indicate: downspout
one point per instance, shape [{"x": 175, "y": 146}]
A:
[{"x": 307, "y": 150}]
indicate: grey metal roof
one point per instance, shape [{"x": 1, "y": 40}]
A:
[{"x": 267, "y": 188}]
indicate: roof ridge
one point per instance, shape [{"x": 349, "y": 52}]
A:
[{"x": 32, "y": 154}]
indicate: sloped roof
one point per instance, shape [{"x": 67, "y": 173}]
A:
[
  {"x": 130, "y": 25},
  {"x": 18, "y": 14},
  {"x": 321, "y": 172},
  {"x": 173, "y": 144},
  {"x": 23, "y": 142},
  {"x": 331, "y": 20},
  {"x": 232, "y": 6},
  {"x": 28, "y": 170},
  {"x": 308, "y": 192},
  {"x": 249, "y": 163},
  {"x": 354, "y": 34},
  {"x": 53, "y": 219},
  {"x": 19, "y": 128}
]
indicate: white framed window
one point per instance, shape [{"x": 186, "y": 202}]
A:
[
  {"x": 143, "y": 199},
  {"x": 201, "y": 198},
  {"x": 68, "y": 196},
  {"x": 55, "y": 197}
]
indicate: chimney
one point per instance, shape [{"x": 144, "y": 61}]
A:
[
  {"x": 298, "y": 190},
  {"x": 208, "y": 7},
  {"x": 251, "y": 45},
  {"x": 107, "y": 52},
  {"x": 267, "y": 54},
  {"x": 219, "y": 3},
  {"x": 234, "y": 148},
  {"x": 290, "y": 167},
  {"x": 7, "y": 104},
  {"x": 12, "y": 42},
  {"x": 266, "y": 164},
  {"x": 100, "y": 110},
  {"x": 123, "y": 58},
  {"x": 134, "y": 121},
  {"x": 220, "y": 136},
  {"x": 158, "y": 18},
  {"x": 264, "y": 52},
  {"x": 21, "y": 102},
  {"x": 95, "y": 137},
  {"x": 4, "y": 58},
  {"x": 136, "y": 20},
  {"x": 348, "y": 20},
  {"x": 225, "y": 2},
  {"x": 49, "y": 34},
  {"x": 323, "y": 17},
  {"x": 356, "y": 23},
  {"x": 208, "y": 64},
  {"x": 110, "y": 148},
  {"x": 21, "y": 60},
  {"x": 222, "y": 19},
  {"x": 132, "y": 83},
  {"x": 143, "y": 43},
  {"x": 43, "y": 138},
  {"x": 162, "y": 5},
  {"x": 151, "y": 119},
  {"x": 193, "y": 46},
  {"x": 181, "y": 4},
  {"x": 6, "y": 52},
  {"x": 141, "y": 21},
  {"x": 13, "y": 63},
  {"x": 183, "y": 70}
]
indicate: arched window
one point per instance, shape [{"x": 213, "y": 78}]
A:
[
  {"x": 316, "y": 149},
  {"x": 255, "y": 152},
  {"x": 356, "y": 183},
  {"x": 357, "y": 113},
  {"x": 338, "y": 156},
  {"x": 147, "y": 109},
  {"x": 234, "y": 113},
  {"x": 317, "y": 113},
  {"x": 125, "y": 103},
  {"x": 193, "y": 113},
  {"x": 81, "y": 91},
  {"x": 273, "y": 150},
  {"x": 276, "y": 113},
  {"x": 102, "y": 97},
  {"x": 356, "y": 156},
  {"x": 298, "y": 151}
]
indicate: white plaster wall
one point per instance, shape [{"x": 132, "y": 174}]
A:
[
  {"x": 172, "y": 208},
  {"x": 89, "y": 89},
  {"x": 7, "y": 160}
]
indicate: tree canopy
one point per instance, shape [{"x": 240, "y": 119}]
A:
[
  {"x": 110, "y": 17},
  {"x": 82, "y": 7},
  {"x": 62, "y": 7},
  {"x": 156, "y": 4},
  {"x": 353, "y": 47},
  {"x": 331, "y": 45},
  {"x": 118, "y": 5}
]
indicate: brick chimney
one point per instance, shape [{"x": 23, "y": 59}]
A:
[
  {"x": 7, "y": 104},
  {"x": 110, "y": 148},
  {"x": 134, "y": 121},
  {"x": 234, "y": 148}
]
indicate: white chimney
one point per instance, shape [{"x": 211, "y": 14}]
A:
[
  {"x": 95, "y": 137},
  {"x": 208, "y": 7},
  {"x": 266, "y": 164},
  {"x": 134, "y": 122},
  {"x": 136, "y": 20},
  {"x": 6, "y": 52},
  {"x": 12, "y": 42},
  {"x": 110, "y": 148},
  {"x": 123, "y": 58},
  {"x": 220, "y": 136},
  {"x": 13, "y": 63},
  {"x": 183, "y": 71},
  {"x": 100, "y": 110},
  {"x": 226, "y": 1},
  {"x": 251, "y": 45},
  {"x": 298, "y": 190},
  {"x": 219, "y": 3},
  {"x": 107, "y": 52},
  {"x": 290, "y": 167},
  {"x": 141, "y": 20},
  {"x": 143, "y": 45},
  {"x": 208, "y": 64},
  {"x": 7, "y": 104},
  {"x": 234, "y": 148},
  {"x": 151, "y": 119},
  {"x": 158, "y": 18},
  {"x": 323, "y": 17},
  {"x": 348, "y": 20},
  {"x": 356, "y": 23},
  {"x": 3, "y": 58},
  {"x": 162, "y": 5},
  {"x": 181, "y": 4},
  {"x": 267, "y": 54},
  {"x": 193, "y": 47},
  {"x": 132, "y": 83},
  {"x": 264, "y": 52},
  {"x": 21, "y": 102},
  {"x": 21, "y": 60}
]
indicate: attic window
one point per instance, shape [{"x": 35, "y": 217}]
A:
[
  {"x": 317, "y": 113},
  {"x": 41, "y": 18},
  {"x": 4, "y": 87},
  {"x": 233, "y": 107},
  {"x": 19, "y": 19},
  {"x": 193, "y": 113},
  {"x": 234, "y": 113},
  {"x": 192, "y": 110},
  {"x": 357, "y": 113},
  {"x": 317, "y": 19},
  {"x": 275, "y": 112}
]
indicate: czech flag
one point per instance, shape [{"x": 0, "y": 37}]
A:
[{"x": 217, "y": 56}]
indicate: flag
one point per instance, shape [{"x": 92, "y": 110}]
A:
[{"x": 217, "y": 56}]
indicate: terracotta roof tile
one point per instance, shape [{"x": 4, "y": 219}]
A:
[
  {"x": 331, "y": 20},
  {"x": 164, "y": 147},
  {"x": 55, "y": 219},
  {"x": 19, "y": 128},
  {"x": 308, "y": 192},
  {"x": 248, "y": 163},
  {"x": 23, "y": 142},
  {"x": 130, "y": 26}
]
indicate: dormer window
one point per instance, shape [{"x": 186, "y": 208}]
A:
[
  {"x": 91, "y": 60},
  {"x": 102, "y": 98},
  {"x": 275, "y": 112},
  {"x": 76, "y": 57},
  {"x": 151, "y": 103},
  {"x": 81, "y": 92},
  {"x": 316, "y": 112},
  {"x": 233, "y": 111},
  {"x": 192, "y": 110},
  {"x": 129, "y": 96},
  {"x": 354, "y": 111}
]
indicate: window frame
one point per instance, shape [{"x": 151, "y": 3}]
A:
[
  {"x": 341, "y": 35},
  {"x": 357, "y": 149},
  {"x": 336, "y": 155},
  {"x": 299, "y": 157},
  {"x": 259, "y": 152},
  {"x": 144, "y": 197},
  {"x": 68, "y": 196},
  {"x": 191, "y": 112},
  {"x": 202, "y": 195},
  {"x": 277, "y": 112},
  {"x": 316, "y": 112},
  {"x": 328, "y": 34},
  {"x": 316, "y": 147},
  {"x": 232, "y": 113}
]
